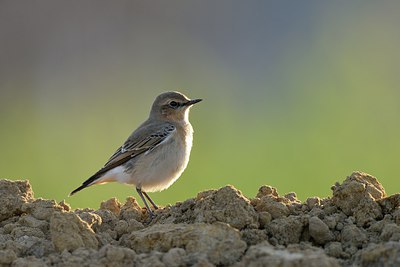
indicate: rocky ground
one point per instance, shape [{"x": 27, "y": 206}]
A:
[{"x": 357, "y": 226}]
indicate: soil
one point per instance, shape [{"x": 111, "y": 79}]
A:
[{"x": 358, "y": 226}]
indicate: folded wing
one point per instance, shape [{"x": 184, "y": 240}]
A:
[{"x": 143, "y": 140}]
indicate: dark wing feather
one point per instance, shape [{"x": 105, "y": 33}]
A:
[{"x": 144, "y": 139}]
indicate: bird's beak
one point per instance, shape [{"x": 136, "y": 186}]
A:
[{"x": 192, "y": 102}]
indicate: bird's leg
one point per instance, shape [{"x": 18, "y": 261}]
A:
[
  {"x": 145, "y": 203},
  {"x": 151, "y": 201}
]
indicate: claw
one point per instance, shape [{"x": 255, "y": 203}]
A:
[{"x": 142, "y": 194}]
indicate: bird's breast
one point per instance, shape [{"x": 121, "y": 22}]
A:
[
  {"x": 161, "y": 167},
  {"x": 181, "y": 146}
]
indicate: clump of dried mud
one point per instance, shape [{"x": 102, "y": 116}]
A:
[{"x": 358, "y": 225}]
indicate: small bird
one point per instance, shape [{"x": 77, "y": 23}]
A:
[{"x": 156, "y": 153}]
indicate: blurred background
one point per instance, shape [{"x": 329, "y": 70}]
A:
[{"x": 297, "y": 94}]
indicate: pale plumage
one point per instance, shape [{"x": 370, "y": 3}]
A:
[{"x": 156, "y": 153}]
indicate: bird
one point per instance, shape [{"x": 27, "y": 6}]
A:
[{"x": 155, "y": 155}]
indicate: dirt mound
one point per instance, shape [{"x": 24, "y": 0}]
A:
[{"x": 358, "y": 225}]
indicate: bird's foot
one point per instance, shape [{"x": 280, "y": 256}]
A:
[{"x": 150, "y": 218}]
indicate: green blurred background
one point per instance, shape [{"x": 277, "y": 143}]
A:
[{"x": 297, "y": 94}]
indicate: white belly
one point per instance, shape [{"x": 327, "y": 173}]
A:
[{"x": 158, "y": 169}]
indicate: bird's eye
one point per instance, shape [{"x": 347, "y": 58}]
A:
[{"x": 173, "y": 104}]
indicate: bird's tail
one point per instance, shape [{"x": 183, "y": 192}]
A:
[
  {"x": 85, "y": 184},
  {"x": 78, "y": 189}
]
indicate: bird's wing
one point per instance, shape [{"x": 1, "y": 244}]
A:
[
  {"x": 142, "y": 140},
  {"x": 137, "y": 144}
]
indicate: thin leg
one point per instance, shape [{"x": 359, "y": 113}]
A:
[
  {"x": 151, "y": 201},
  {"x": 145, "y": 203}
]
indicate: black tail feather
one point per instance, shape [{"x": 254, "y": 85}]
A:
[
  {"x": 100, "y": 173},
  {"x": 78, "y": 189},
  {"x": 86, "y": 183}
]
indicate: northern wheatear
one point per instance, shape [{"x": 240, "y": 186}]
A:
[{"x": 155, "y": 154}]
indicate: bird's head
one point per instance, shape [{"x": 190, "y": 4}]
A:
[{"x": 173, "y": 106}]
